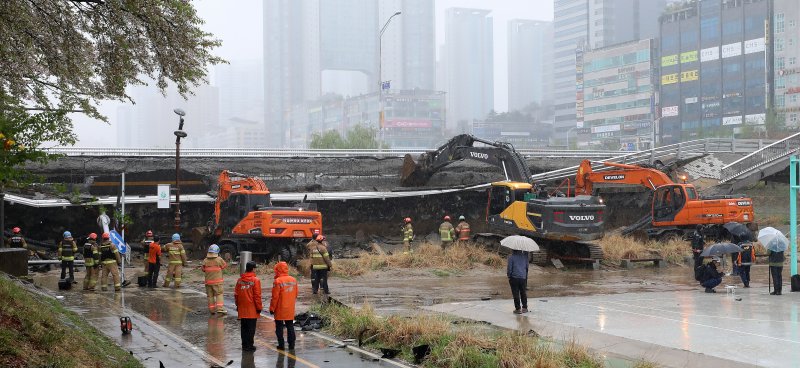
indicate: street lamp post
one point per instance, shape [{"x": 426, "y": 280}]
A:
[
  {"x": 178, "y": 135},
  {"x": 653, "y": 134},
  {"x": 380, "y": 78},
  {"x": 576, "y": 138}
]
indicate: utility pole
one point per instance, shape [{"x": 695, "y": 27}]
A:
[
  {"x": 380, "y": 80},
  {"x": 178, "y": 135}
]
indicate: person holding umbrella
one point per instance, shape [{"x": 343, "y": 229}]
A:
[
  {"x": 776, "y": 243},
  {"x": 517, "y": 270},
  {"x": 712, "y": 277}
]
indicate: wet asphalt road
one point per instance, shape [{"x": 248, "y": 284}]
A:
[{"x": 174, "y": 327}]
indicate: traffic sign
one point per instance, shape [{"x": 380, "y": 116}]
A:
[{"x": 116, "y": 239}]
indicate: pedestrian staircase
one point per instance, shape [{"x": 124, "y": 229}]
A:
[{"x": 760, "y": 164}]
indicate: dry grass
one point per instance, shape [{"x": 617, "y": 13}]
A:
[
  {"x": 617, "y": 247},
  {"x": 426, "y": 256},
  {"x": 462, "y": 345}
]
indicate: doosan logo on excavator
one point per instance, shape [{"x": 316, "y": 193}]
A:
[{"x": 482, "y": 156}]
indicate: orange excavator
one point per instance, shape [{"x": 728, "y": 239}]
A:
[
  {"x": 245, "y": 220},
  {"x": 675, "y": 208}
]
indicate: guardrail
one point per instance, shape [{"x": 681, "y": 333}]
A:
[
  {"x": 260, "y": 152},
  {"x": 678, "y": 151},
  {"x": 760, "y": 158}
]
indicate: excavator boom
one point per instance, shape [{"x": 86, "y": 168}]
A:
[{"x": 463, "y": 147}]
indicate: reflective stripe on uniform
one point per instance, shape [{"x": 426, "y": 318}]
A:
[
  {"x": 176, "y": 262},
  {"x": 214, "y": 281},
  {"x": 212, "y": 268}
]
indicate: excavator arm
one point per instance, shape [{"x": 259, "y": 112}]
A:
[
  {"x": 463, "y": 147},
  {"x": 621, "y": 174}
]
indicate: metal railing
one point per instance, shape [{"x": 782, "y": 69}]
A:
[
  {"x": 764, "y": 156},
  {"x": 289, "y": 152},
  {"x": 676, "y": 151}
]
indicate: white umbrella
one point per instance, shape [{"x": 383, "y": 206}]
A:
[
  {"x": 518, "y": 242},
  {"x": 773, "y": 239}
]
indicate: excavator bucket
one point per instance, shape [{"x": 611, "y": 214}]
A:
[{"x": 415, "y": 173}]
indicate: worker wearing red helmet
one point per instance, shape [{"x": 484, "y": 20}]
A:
[
  {"x": 447, "y": 233},
  {"x": 408, "y": 236},
  {"x": 16, "y": 240},
  {"x": 110, "y": 260},
  {"x": 320, "y": 264},
  {"x": 91, "y": 259},
  {"x": 146, "y": 242}
]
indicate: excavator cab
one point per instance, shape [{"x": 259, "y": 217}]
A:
[
  {"x": 238, "y": 205},
  {"x": 669, "y": 200}
]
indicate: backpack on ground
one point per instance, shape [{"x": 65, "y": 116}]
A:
[{"x": 795, "y": 283}]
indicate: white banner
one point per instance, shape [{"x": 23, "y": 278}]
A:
[
  {"x": 756, "y": 45},
  {"x": 732, "y": 120},
  {"x": 669, "y": 111},
  {"x": 606, "y": 128},
  {"x": 709, "y": 54},
  {"x": 731, "y": 49},
  {"x": 755, "y": 119},
  {"x": 163, "y": 195}
]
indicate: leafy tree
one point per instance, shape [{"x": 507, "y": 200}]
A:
[
  {"x": 60, "y": 56},
  {"x": 358, "y": 137}
]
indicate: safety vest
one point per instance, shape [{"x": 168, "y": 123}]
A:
[
  {"x": 408, "y": 233},
  {"x": 17, "y": 241},
  {"x": 91, "y": 254},
  {"x": 176, "y": 252},
  {"x": 212, "y": 267},
  {"x": 463, "y": 230},
  {"x": 108, "y": 252},
  {"x": 446, "y": 231},
  {"x": 746, "y": 257},
  {"x": 319, "y": 255},
  {"x": 67, "y": 250}
]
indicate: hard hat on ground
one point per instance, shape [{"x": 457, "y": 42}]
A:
[
  {"x": 319, "y": 238},
  {"x": 149, "y": 233},
  {"x": 176, "y": 237},
  {"x": 462, "y": 217},
  {"x": 106, "y": 236},
  {"x": 213, "y": 249},
  {"x": 407, "y": 219},
  {"x": 67, "y": 234},
  {"x": 93, "y": 236},
  {"x": 16, "y": 230},
  {"x": 447, "y": 218}
]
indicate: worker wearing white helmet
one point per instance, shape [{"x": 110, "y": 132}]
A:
[{"x": 212, "y": 268}]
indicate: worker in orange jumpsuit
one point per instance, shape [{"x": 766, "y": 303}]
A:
[
  {"x": 177, "y": 260},
  {"x": 153, "y": 262},
  {"x": 248, "y": 304},
  {"x": 212, "y": 268},
  {"x": 284, "y": 296}
]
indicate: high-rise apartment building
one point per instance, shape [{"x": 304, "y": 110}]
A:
[
  {"x": 529, "y": 68},
  {"x": 587, "y": 24},
  {"x": 469, "y": 62},
  {"x": 714, "y": 75},
  {"x": 786, "y": 47},
  {"x": 305, "y": 38}
]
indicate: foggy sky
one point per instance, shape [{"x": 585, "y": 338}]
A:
[{"x": 238, "y": 25}]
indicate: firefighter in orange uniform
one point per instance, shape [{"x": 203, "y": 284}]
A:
[
  {"x": 462, "y": 230},
  {"x": 212, "y": 268},
  {"x": 177, "y": 260},
  {"x": 284, "y": 296}
]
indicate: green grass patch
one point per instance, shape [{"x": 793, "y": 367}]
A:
[
  {"x": 455, "y": 345},
  {"x": 36, "y": 331}
]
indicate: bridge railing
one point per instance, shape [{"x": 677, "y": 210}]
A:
[
  {"x": 761, "y": 157},
  {"x": 289, "y": 152},
  {"x": 678, "y": 151}
]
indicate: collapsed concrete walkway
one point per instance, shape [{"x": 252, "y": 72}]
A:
[{"x": 674, "y": 329}]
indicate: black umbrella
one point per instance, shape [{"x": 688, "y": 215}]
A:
[
  {"x": 739, "y": 232},
  {"x": 718, "y": 249}
]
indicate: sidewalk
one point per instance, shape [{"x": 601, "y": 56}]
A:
[{"x": 674, "y": 329}]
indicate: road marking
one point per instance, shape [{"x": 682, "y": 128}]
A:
[{"x": 285, "y": 353}]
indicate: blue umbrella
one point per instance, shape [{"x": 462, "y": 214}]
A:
[{"x": 718, "y": 249}]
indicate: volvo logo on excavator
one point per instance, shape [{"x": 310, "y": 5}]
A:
[
  {"x": 582, "y": 218},
  {"x": 614, "y": 177},
  {"x": 479, "y": 155}
]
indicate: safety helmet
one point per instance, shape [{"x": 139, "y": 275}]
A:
[
  {"x": 93, "y": 236},
  {"x": 447, "y": 218},
  {"x": 213, "y": 248},
  {"x": 407, "y": 219},
  {"x": 320, "y": 238},
  {"x": 176, "y": 237},
  {"x": 462, "y": 217},
  {"x": 67, "y": 234},
  {"x": 149, "y": 233},
  {"x": 106, "y": 236},
  {"x": 16, "y": 230}
]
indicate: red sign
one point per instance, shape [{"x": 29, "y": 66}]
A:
[{"x": 408, "y": 123}]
